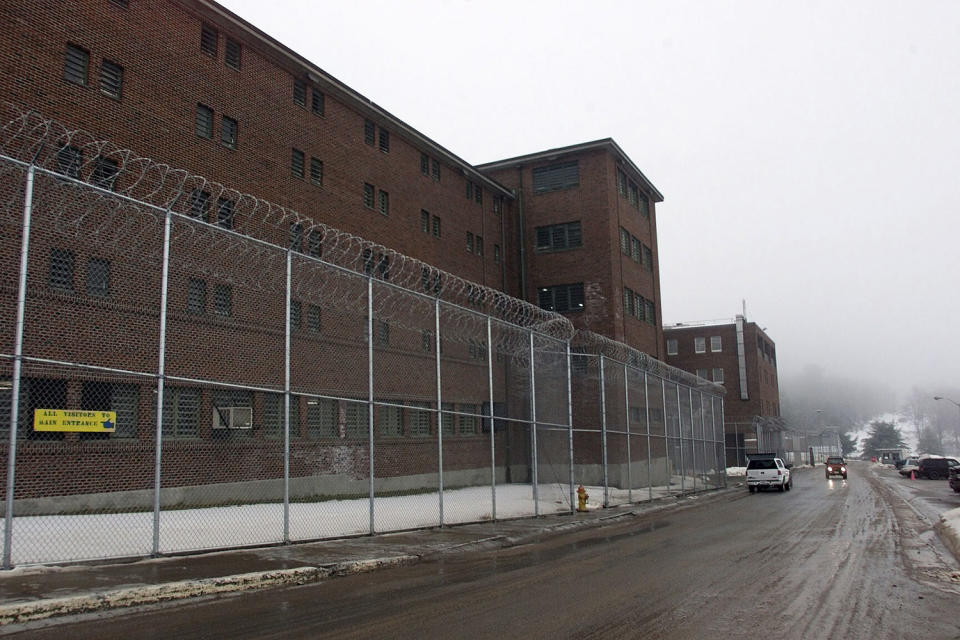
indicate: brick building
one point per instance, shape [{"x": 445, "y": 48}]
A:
[
  {"x": 192, "y": 85},
  {"x": 741, "y": 356}
]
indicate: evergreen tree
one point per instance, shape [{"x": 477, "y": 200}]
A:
[{"x": 882, "y": 435}]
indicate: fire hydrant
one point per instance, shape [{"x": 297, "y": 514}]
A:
[{"x": 582, "y": 498}]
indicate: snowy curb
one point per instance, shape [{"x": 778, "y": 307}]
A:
[
  {"x": 949, "y": 530},
  {"x": 153, "y": 594}
]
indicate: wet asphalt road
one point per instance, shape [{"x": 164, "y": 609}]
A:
[{"x": 829, "y": 559}]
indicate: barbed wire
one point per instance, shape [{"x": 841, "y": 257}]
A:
[{"x": 126, "y": 213}]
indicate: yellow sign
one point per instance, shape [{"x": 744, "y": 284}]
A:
[{"x": 67, "y": 420}]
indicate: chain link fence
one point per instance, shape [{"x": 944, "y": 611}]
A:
[
  {"x": 184, "y": 367},
  {"x": 769, "y": 435}
]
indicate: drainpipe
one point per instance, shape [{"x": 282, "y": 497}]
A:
[{"x": 523, "y": 234}]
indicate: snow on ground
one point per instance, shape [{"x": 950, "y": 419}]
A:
[
  {"x": 65, "y": 538},
  {"x": 736, "y": 471},
  {"x": 950, "y": 530}
]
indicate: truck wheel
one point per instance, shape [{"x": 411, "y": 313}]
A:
[
  {"x": 752, "y": 489},
  {"x": 780, "y": 487}
]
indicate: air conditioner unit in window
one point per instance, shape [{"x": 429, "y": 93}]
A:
[{"x": 232, "y": 418}]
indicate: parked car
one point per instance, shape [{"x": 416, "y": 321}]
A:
[
  {"x": 836, "y": 467},
  {"x": 955, "y": 479},
  {"x": 936, "y": 468},
  {"x": 909, "y": 465}
]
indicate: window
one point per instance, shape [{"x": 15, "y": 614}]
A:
[
  {"x": 496, "y": 253},
  {"x": 199, "y": 201},
  {"x": 196, "y": 296},
  {"x": 429, "y": 281},
  {"x": 389, "y": 421},
  {"x": 634, "y": 195},
  {"x": 383, "y": 333},
  {"x": 225, "y": 213},
  {"x": 716, "y": 344},
  {"x": 418, "y": 420},
  {"x": 181, "y": 410},
  {"x": 316, "y": 171},
  {"x": 424, "y": 221},
  {"x": 98, "y": 277},
  {"x": 555, "y": 177},
  {"x": 469, "y": 190},
  {"x": 322, "y": 419},
  {"x": 61, "y": 269},
  {"x": 368, "y": 196},
  {"x": 435, "y": 170},
  {"x": 112, "y": 396},
  {"x": 478, "y": 245},
  {"x": 426, "y": 340},
  {"x": 208, "y": 40},
  {"x": 621, "y": 183},
  {"x": 299, "y": 92},
  {"x": 221, "y": 400},
  {"x": 295, "y": 310},
  {"x": 313, "y": 317},
  {"x": 383, "y": 266},
  {"x": 228, "y": 132},
  {"x": 69, "y": 160},
  {"x": 699, "y": 345},
  {"x": 223, "y": 300},
  {"x": 478, "y": 194},
  {"x": 561, "y": 298},
  {"x": 624, "y": 241},
  {"x": 296, "y": 163},
  {"x": 558, "y": 237},
  {"x": 644, "y": 205},
  {"x": 469, "y": 424},
  {"x": 273, "y": 406},
  {"x": 647, "y": 258},
  {"x": 628, "y": 301},
  {"x": 232, "y": 57},
  {"x": 384, "y": 141},
  {"x": 75, "y": 65},
  {"x": 639, "y": 305},
  {"x": 356, "y": 417},
  {"x": 105, "y": 172},
  {"x": 636, "y": 252},
  {"x": 367, "y": 265},
  {"x": 447, "y": 418},
  {"x": 384, "y": 199},
  {"x": 672, "y": 347},
  {"x": 436, "y": 226},
  {"x": 498, "y": 204},
  {"x": 315, "y": 243},
  {"x": 424, "y": 164},
  {"x": 316, "y": 102},
  {"x": 111, "y": 79},
  {"x": 650, "y": 313},
  {"x": 718, "y": 374},
  {"x": 204, "y": 121},
  {"x": 369, "y": 132},
  {"x": 469, "y": 242}
]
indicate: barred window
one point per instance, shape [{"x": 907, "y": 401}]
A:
[
  {"x": 447, "y": 418},
  {"x": 368, "y": 195},
  {"x": 469, "y": 424},
  {"x": 628, "y": 301},
  {"x": 383, "y": 333},
  {"x": 369, "y": 132},
  {"x": 647, "y": 258},
  {"x": 225, "y": 213},
  {"x": 639, "y": 306},
  {"x": 316, "y": 171},
  {"x": 232, "y": 56},
  {"x": 322, "y": 418},
  {"x": 478, "y": 194},
  {"x": 561, "y": 298},
  {"x": 76, "y": 64},
  {"x": 295, "y": 313},
  {"x": 435, "y": 170},
  {"x": 196, "y": 296},
  {"x": 644, "y": 205},
  {"x": 208, "y": 40},
  {"x": 61, "y": 269},
  {"x": 384, "y": 200},
  {"x": 621, "y": 183},
  {"x": 624, "y": 242},
  {"x": 672, "y": 349},
  {"x": 436, "y": 226},
  {"x": 181, "y": 412},
  {"x": 426, "y": 340},
  {"x": 479, "y": 245},
  {"x": 228, "y": 132},
  {"x": 296, "y": 163},
  {"x": 418, "y": 421},
  {"x": 313, "y": 318},
  {"x": 424, "y": 164},
  {"x": 469, "y": 241},
  {"x": 105, "y": 172},
  {"x": 111, "y": 79},
  {"x": 123, "y": 399},
  {"x": 299, "y": 92},
  {"x": 650, "y": 313},
  {"x": 384, "y": 141},
  {"x": 204, "y": 121},
  {"x": 634, "y": 195},
  {"x": 98, "y": 277},
  {"x": 316, "y": 102},
  {"x": 565, "y": 175},
  {"x": 356, "y": 420},
  {"x": 199, "y": 201},
  {"x": 424, "y": 221},
  {"x": 558, "y": 237},
  {"x": 496, "y": 253},
  {"x": 69, "y": 160},
  {"x": 635, "y": 250},
  {"x": 223, "y": 300},
  {"x": 389, "y": 421},
  {"x": 315, "y": 243},
  {"x": 469, "y": 190},
  {"x": 273, "y": 407}
]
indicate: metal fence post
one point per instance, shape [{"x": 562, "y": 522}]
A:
[
  {"x": 723, "y": 432},
  {"x": 666, "y": 434},
  {"x": 570, "y": 425},
  {"x": 370, "y": 400},
  {"x": 603, "y": 433},
  {"x": 646, "y": 404},
  {"x": 286, "y": 401},
  {"x": 161, "y": 373},
  {"x": 493, "y": 444},
  {"x": 693, "y": 438},
  {"x": 683, "y": 466},
  {"x": 17, "y": 363},
  {"x": 533, "y": 431},
  {"x": 626, "y": 404},
  {"x": 436, "y": 322}
]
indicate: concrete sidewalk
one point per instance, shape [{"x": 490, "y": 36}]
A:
[{"x": 35, "y": 593}]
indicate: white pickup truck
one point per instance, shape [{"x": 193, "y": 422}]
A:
[{"x": 766, "y": 470}]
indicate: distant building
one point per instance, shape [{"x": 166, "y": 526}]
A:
[{"x": 741, "y": 356}]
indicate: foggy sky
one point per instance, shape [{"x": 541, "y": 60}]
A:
[{"x": 809, "y": 152}]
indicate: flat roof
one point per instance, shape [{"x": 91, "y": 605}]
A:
[{"x": 607, "y": 144}]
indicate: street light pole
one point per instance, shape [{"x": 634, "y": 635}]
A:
[{"x": 957, "y": 404}]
